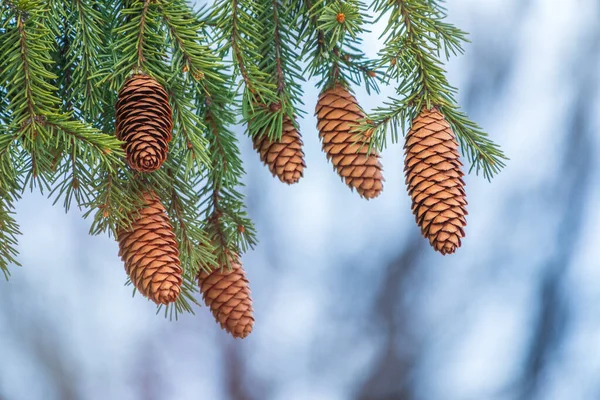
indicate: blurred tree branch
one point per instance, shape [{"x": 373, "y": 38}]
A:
[
  {"x": 574, "y": 184},
  {"x": 391, "y": 375}
]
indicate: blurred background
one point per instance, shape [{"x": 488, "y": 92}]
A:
[{"x": 350, "y": 301}]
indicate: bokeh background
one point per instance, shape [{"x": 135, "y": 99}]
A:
[{"x": 350, "y": 302}]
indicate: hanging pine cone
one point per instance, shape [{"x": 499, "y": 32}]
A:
[
  {"x": 227, "y": 294},
  {"x": 434, "y": 180},
  {"x": 144, "y": 122},
  {"x": 338, "y": 114},
  {"x": 149, "y": 251},
  {"x": 285, "y": 157}
]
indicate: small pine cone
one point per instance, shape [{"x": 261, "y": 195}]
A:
[
  {"x": 284, "y": 158},
  {"x": 144, "y": 121},
  {"x": 434, "y": 180},
  {"x": 338, "y": 114},
  {"x": 150, "y": 253},
  {"x": 227, "y": 294}
]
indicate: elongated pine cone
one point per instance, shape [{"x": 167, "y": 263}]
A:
[
  {"x": 149, "y": 251},
  {"x": 434, "y": 180},
  {"x": 285, "y": 157},
  {"x": 144, "y": 121},
  {"x": 338, "y": 114},
  {"x": 227, "y": 294}
]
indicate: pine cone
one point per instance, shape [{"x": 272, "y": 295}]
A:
[
  {"x": 285, "y": 157},
  {"x": 144, "y": 122},
  {"x": 227, "y": 294},
  {"x": 434, "y": 180},
  {"x": 149, "y": 251},
  {"x": 338, "y": 114}
]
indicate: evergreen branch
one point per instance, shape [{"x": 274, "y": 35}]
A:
[
  {"x": 414, "y": 34},
  {"x": 214, "y": 216},
  {"x": 240, "y": 31},
  {"x": 85, "y": 56},
  {"x": 9, "y": 192},
  {"x": 102, "y": 147},
  {"x": 140, "y": 38},
  {"x": 26, "y": 68},
  {"x": 189, "y": 54},
  {"x": 482, "y": 153},
  {"x": 64, "y": 62},
  {"x": 189, "y": 128},
  {"x": 89, "y": 151},
  {"x": 186, "y": 32},
  {"x": 194, "y": 243},
  {"x": 9, "y": 230},
  {"x": 331, "y": 39},
  {"x": 115, "y": 205},
  {"x": 313, "y": 18},
  {"x": 139, "y": 45},
  {"x": 27, "y": 46},
  {"x": 277, "y": 46},
  {"x": 229, "y": 229},
  {"x": 63, "y": 69},
  {"x": 280, "y": 64},
  {"x": 235, "y": 46}
]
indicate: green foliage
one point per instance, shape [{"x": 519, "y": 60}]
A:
[
  {"x": 42, "y": 144},
  {"x": 239, "y": 31},
  {"x": 280, "y": 64},
  {"x": 415, "y": 36},
  {"x": 332, "y": 45},
  {"x": 65, "y": 61}
]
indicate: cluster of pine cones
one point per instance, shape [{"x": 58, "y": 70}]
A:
[
  {"x": 432, "y": 164},
  {"x": 149, "y": 248},
  {"x": 144, "y": 122}
]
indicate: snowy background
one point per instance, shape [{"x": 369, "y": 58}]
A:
[{"x": 350, "y": 302}]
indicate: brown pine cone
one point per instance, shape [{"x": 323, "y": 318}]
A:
[
  {"x": 227, "y": 294},
  {"x": 285, "y": 157},
  {"x": 434, "y": 180},
  {"x": 150, "y": 253},
  {"x": 144, "y": 121},
  {"x": 338, "y": 114}
]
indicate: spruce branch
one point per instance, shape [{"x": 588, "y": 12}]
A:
[
  {"x": 9, "y": 230},
  {"x": 89, "y": 151},
  {"x": 277, "y": 46},
  {"x": 64, "y": 63},
  {"x": 43, "y": 146},
  {"x": 116, "y": 203},
  {"x": 227, "y": 224},
  {"x": 139, "y": 44},
  {"x": 281, "y": 66},
  {"x": 86, "y": 56},
  {"x": 331, "y": 36},
  {"x": 190, "y": 55},
  {"x": 189, "y": 142},
  {"x": 238, "y": 30},
  {"x": 414, "y": 36},
  {"x": 10, "y": 185}
]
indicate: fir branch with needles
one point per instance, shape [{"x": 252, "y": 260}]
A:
[
  {"x": 415, "y": 37},
  {"x": 332, "y": 39},
  {"x": 64, "y": 64},
  {"x": 281, "y": 66},
  {"x": 55, "y": 150}
]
